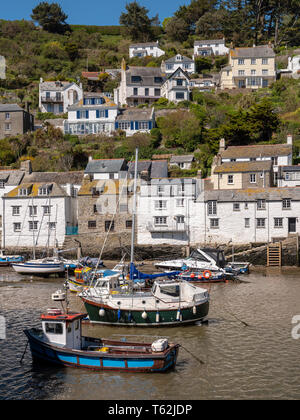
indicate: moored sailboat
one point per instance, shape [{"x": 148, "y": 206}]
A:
[{"x": 167, "y": 303}]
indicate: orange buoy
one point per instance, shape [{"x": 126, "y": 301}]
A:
[{"x": 207, "y": 274}]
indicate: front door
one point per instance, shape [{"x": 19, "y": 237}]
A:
[{"x": 292, "y": 225}]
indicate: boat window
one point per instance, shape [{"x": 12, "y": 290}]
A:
[
  {"x": 54, "y": 328},
  {"x": 197, "y": 256},
  {"x": 76, "y": 325},
  {"x": 170, "y": 290}
]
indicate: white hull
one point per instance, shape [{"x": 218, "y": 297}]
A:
[{"x": 38, "y": 268}]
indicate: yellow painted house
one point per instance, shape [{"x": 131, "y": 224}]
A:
[{"x": 251, "y": 68}]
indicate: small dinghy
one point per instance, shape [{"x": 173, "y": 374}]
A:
[
  {"x": 7, "y": 260},
  {"x": 60, "y": 342}
]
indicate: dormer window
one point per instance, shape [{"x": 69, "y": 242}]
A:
[
  {"x": 178, "y": 58},
  {"x": 136, "y": 79},
  {"x": 44, "y": 190},
  {"x": 23, "y": 192}
]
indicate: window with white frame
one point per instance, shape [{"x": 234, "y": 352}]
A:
[
  {"x": 286, "y": 204},
  {"x": 253, "y": 178},
  {"x": 160, "y": 205},
  {"x": 43, "y": 191},
  {"x": 278, "y": 222},
  {"x": 180, "y": 202},
  {"x": 247, "y": 223},
  {"x": 265, "y": 61},
  {"x": 230, "y": 179},
  {"x": 125, "y": 125},
  {"x": 23, "y": 192},
  {"x": 253, "y": 61},
  {"x": 260, "y": 223},
  {"x": 32, "y": 210},
  {"x": 211, "y": 208},
  {"x": 214, "y": 223},
  {"x": 180, "y": 219},
  {"x": 47, "y": 210},
  {"x": 261, "y": 204},
  {"x": 16, "y": 210},
  {"x": 33, "y": 225},
  {"x": 236, "y": 207},
  {"x": 17, "y": 227},
  {"x": 241, "y": 61},
  {"x": 160, "y": 189},
  {"x": 52, "y": 225},
  {"x": 160, "y": 220}
]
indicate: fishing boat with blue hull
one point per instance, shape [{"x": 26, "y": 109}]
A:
[
  {"x": 7, "y": 260},
  {"x": 60, "y": 342}
]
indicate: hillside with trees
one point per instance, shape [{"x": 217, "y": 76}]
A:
[{"x": 50, "y": 48}]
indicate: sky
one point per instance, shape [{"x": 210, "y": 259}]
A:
[{"x": 90, "y": 12}]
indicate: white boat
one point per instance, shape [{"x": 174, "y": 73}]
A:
[
  {"x": 43, "y": 266},
  {"x": 200, "y": 260}
]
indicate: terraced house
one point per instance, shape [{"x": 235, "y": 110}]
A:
[
  {"x": 36, "y": 215},
  {"x": 251, "y": 68}
]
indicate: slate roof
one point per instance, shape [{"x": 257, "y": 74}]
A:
[
  {"x": 147, "y": 75},
  {"x": 184, "y": 60},
  {"x": 293, "y": 168},
  {"x": 209, "y": 41},
  {"x": 257, "y": 150},
  {"x": 144, "y": 45},
  {"x": 60, "y": 178},
  {"x": 256, "y": 166},
  {"x": 159, "y": 169},
  {"x": 260, "y": 51},
  {"x": 136, "y": 114},
  {"x": 55, "y": 86},
  {"x": 251, "y": 194},
  {"x": 55, "y": 190},
  {"x": 156, "y": 169},
  {"x": 80, "y": 105},
  {"x": 105, "y": 166},
  {"x": 182, "y": 159},
  {"x": 10, "y": 108},
  {"x": 12, "y": 177}
]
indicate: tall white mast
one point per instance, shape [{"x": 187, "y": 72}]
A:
[{"x": 134, "y": 205}]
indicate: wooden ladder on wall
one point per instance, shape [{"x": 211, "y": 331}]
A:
[{"x": 274, "y": 255}]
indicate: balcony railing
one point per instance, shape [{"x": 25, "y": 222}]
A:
[
  {"x": 51, "y": 99},
  {"x": 170, "y": 227}
]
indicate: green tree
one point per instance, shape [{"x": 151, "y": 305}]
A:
[
  {"x": 50, "y": 16},
  {"x": 137, "y": 23}
]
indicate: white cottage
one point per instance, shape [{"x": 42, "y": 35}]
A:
[
  {"x": 165, "y": 210},
  {"x": 210, "y": 47},
  {"x": 94, "y": 114},
  {"x": 145, "y": 49},
  {"x": 179, "y": 61},
  {"x": 57, "y": 96},
  {"x": 177, "y": 86},
  {"x": 37, "y": 215},
  {"x": 8, "y": 181}
]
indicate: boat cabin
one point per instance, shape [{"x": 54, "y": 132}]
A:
[
  {"x": 62, "y": 329},
  {"x": 209, "y": 255},
  {"x": 170, "y": 291}
]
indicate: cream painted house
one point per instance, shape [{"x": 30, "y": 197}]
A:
[{"x": 251, "y": 68}]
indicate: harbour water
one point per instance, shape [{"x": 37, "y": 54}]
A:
[{"x": 247, "y": 346}]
